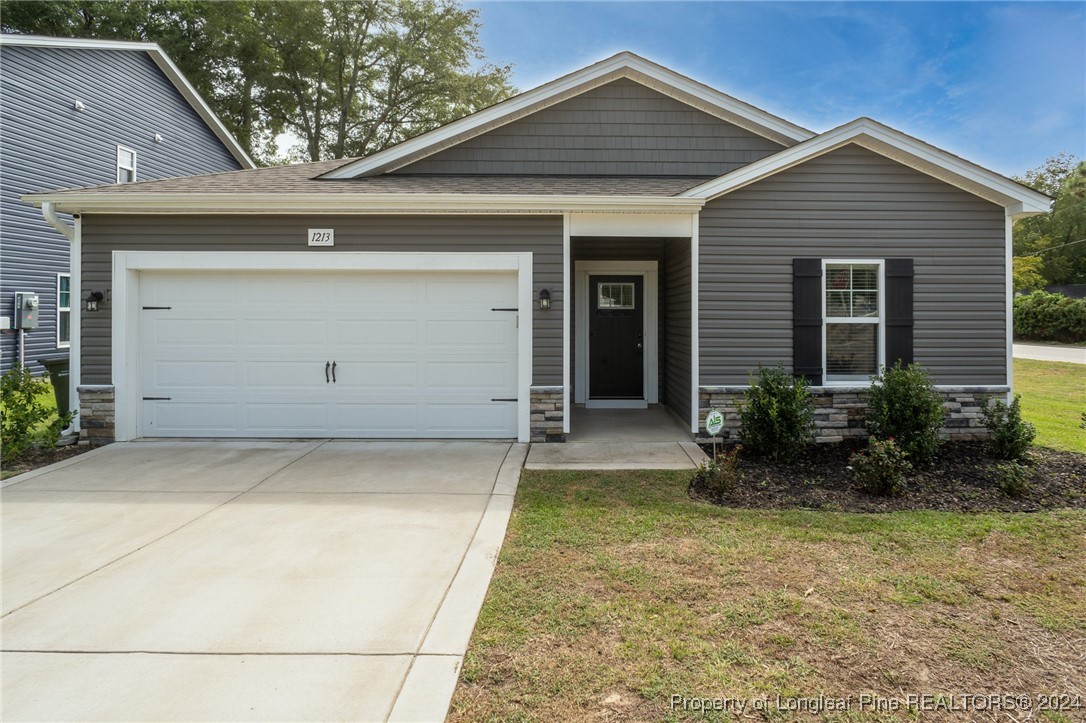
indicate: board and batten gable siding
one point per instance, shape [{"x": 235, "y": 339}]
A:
[
  {"x": 853, "y": 203},
  {"x": 47, "y": 144},
  {"x": 541, "y": 235},
  {"x": 620, "y": 128}
]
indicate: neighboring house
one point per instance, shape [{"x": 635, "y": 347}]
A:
[
  {"x": 622, "y": 236},
  {"x": 81, "y": 113}
]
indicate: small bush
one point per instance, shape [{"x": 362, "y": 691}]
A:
[
  {"x": 21, "y": 412},
  {"x": 905, "y": 406},
  {"x": 1041, "y": 316},
  {"x": 882, "y": 467},
  {"x": 1013, "y": 478},
  {"x": 1011, "y": 436},
  {"x": 777, "y": 420},
  {"x": 720, "y": 475}
]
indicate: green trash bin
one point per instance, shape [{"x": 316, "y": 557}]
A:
[{"x": 59, "y": 369}]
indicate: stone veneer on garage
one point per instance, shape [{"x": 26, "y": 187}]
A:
[
  {"x": 97, "y": 407},
  {"x": 840, "y": 411},
  {"x": 547, "y": 414}
]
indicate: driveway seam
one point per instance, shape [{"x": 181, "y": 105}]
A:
[
  {"x": 163, "y": 536},
  {"x": 445, "y": 594}
]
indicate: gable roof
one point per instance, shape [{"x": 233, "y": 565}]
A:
[
  {"x": 622, "y": 65},
  {"x": 892, "y": 143},
  {"x": 168, "y": 68}
]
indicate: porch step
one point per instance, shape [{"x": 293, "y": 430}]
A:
[{"x": 615, "y": 455}]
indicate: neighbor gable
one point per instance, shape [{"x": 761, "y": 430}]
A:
[{"x": 619, "y": 128}]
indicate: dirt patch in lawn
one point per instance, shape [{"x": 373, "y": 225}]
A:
[
  {"x": 964, "y": 478},
  {"x": 36, "y": 458}
]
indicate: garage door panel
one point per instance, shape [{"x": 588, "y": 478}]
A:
[
  {"x": 199, "y": 373},
  {"x": 195, "y": 419},
  {"x": 305, "y": 332},
  {"x": 417, "y": 354},
  {"x": 497, "y": 377}
]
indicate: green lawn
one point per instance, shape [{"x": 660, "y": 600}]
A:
[
  {"x": 1053, "y": 399},
  {"x": 615, "y": 590}
]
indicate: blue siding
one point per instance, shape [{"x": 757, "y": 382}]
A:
[{"x": 45, "y": 143}]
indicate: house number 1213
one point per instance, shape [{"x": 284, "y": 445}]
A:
[{"x": 322, "y": 237}]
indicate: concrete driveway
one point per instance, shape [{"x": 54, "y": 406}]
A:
[{"x": 249, "y": 580}]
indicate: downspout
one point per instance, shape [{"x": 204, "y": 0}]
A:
[{"x": 49, "y": 213}]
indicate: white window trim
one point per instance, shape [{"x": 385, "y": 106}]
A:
[
  {"x": 135, "y": 161},
  {"x": 880, "y": 320},
  {"x": 649, "y": 270},
  {"x": 129, "y": 265},
  {"x": 64, "y": 344}
]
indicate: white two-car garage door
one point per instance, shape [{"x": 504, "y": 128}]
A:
[{"x": 328, "y": 354}]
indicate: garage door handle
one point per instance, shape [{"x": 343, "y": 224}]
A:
[
  {"x": 327, "y": 365},
  {"x": 333, "y": 372}
]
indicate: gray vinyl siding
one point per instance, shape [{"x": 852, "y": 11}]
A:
[
  {"x": 853, "y": 203},
  {"x": 620, "y": 128},
  {"x": 47, "y": 144},
  {"x": 675, "y": 362},
  {"x": 540, "y": 235}
]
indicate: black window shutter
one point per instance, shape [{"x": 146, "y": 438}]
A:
[
  {"x": 807, "y": 319},
  {"x": 899, "y": 311}
]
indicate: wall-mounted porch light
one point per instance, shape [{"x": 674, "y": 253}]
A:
[
  {"x": 544, "y": 299},
  {"x": 92, "y": 300}
]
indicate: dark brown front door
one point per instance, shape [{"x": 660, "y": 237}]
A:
[{"x": 616, "y": 358}]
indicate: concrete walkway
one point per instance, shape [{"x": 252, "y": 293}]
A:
[
  {"x": 249, "y": 580},
  {"x": 615, "y": 455},
  {"x": 1051, "y": 352}
]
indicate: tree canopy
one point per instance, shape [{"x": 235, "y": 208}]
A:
[
  {"x": 345, "y": 77},
  {"x": 1054, "y": 242}
]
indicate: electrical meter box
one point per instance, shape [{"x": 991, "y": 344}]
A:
[{"x": 26, "y": 310}]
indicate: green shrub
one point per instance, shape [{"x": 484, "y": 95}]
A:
[
  {"x": 882, "y": 467},
  {"x": 719, "y": 475},
  {"x": 1011, "y": 436},
  {"x": 21, "y": 411},
  {"x": 777, "y": 420},
  {"x": 904, "y": 406},
  {"x": 1013, "y": 478},
  {"x": 1041, "y": 316}
]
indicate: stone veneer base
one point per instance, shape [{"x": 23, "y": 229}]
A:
[
  {"x": 840, "y": 411},
  {"x": 548, "y": 414},
  {"x": 97, "y": 409}
]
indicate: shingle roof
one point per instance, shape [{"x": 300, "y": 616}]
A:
[{"x": 302, "y": 178}]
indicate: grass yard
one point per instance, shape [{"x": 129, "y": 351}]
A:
[
  {"x": 615, "y": 590},
  {"x": 1053, "y": 398}
]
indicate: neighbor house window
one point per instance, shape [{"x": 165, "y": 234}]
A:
[
  {"x": 64, "y": 310},
  {"x": 852, "y": 309},
  {"x": 126, "y": 165}
]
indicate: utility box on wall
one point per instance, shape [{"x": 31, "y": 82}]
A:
[{"x": 26, "y": 310}]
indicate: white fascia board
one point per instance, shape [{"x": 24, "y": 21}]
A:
[
  {"x": 623, "y": 65},
  {"x": 343, "y": 203},
  {"x": 895, "y": 145},
  {"x": 164, "y": 63}
]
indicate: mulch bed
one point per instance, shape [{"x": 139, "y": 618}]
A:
[
  {"x": 40, "y": 457},
  {"x": 962, "y": 479}
]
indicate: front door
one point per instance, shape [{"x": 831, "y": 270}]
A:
[{"x": 616, "y": 359}]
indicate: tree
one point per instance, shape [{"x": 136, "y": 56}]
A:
[
  {"x": 1058, "y": 237},
  {"x": 347, "y": 77},
  {"x": 1027, "y": 273}
]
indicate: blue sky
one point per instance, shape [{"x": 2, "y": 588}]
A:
[{"x": 1002, "y": 84}]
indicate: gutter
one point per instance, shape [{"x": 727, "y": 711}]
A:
[
  {"x": 347, "y": 204},
  {"x": 48, "y": 210}
]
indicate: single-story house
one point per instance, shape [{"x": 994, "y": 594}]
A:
[
  {"x": 623, "y": 236},
  {"x": 80, "y": 113}
]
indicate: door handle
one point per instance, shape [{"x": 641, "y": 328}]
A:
[
  {"x": 638, "y": 345},
  {"x": 333, "y": 372},
  {"x": 326, "y": 366}
]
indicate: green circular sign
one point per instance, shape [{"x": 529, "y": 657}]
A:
[{"x": 714, "y": 422}]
